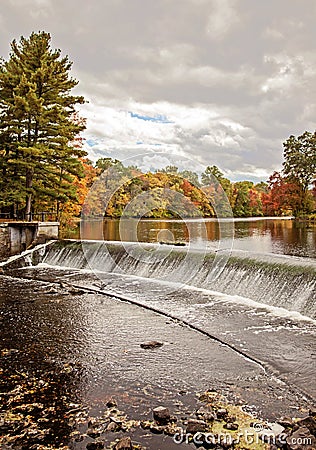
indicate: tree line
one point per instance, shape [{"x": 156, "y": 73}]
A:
[{"x": 43, "y": 166}]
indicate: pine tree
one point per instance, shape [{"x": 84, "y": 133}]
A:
[{"x": 38, "y": 125}]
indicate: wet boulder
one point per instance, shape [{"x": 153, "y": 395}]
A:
[
  {"x": 301, "y": 439},
  {"x": 308, "y": 422},
  {"x": 222, "y": 414},
  {"x": 113, "y": 427},
  {"x": 286, "y": 422},
  {"x": 196, "y": 426},
  {"x": 161, "y": 415}
]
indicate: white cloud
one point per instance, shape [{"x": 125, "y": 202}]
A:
[
  {"x": 235, "y": 77},
  {"x": 273, "y": 33},
  {"x": 36, "y": 8},
  {"x": 289, "y": 71},
  {"x": 208, "y": 133},
  {"x": 222, "y": 19}
]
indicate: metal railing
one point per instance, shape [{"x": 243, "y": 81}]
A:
[{"x": 41, "y": 216}]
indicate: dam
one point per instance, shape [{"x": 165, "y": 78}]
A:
[{"x": 237, "y": 322}]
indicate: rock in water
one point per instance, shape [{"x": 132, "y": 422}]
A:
[
  {"x": 221, "y": 413},
  {"x": 301, "y": 439},
  {"x": 231, "y": 426},
  {"x": 151, "y": 344},
  {"x": 308, "y": 422},
  {"x": 196, "y": 426},
  {"x": 99, "y": 445},
  {"x": 161, "y": 415},
  {"x": 112, "y": 427},
  {"x": 111, "y": 403},
  {"x": 124, "y": 444}
]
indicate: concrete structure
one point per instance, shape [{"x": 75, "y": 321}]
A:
[{"x": 15, "y": 237}]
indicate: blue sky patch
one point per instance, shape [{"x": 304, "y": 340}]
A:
[
  {"x": 159, "y": 118},
  {"x": 91, "y": 142}
]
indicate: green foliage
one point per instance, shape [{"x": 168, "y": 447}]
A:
[
  {"x": 211, "y": 174},
  {"x": 103, "y": 164},
  {"x": 241, "y": 204},
  {"x": 170, "y": 169},
  {"x": 219, "y": 190},
  {"x": 300, "y": 167},
  {"x": 300, "y": 159},
  {"x": 38, "y": 125},
  {"x": 192, "y": 177}
]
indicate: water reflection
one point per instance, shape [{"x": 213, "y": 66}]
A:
[{"x": 268, "y": 235}]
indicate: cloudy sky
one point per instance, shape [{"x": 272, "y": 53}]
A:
[{"x": 220, "y": 82}]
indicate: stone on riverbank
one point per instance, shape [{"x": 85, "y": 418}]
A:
[
  {"x": 301, "y": 439},
  {"x": 205, "y": 413},
  {"x": 308, "y": 422},
  {"x": 221, "y": 413},
  {"x": 231, "y": 426},
  {"x": 196, "y": 426},
  {"x": 161, "y": 415}
]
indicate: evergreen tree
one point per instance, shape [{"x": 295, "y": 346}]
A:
[{"x": 38, "y": 125}]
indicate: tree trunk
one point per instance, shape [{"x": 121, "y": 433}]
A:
[{"x": 28, "y": 206}]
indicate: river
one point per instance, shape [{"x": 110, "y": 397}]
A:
[
  {"x": 264, "y": 235},
  {"x": 235, "y": 310}
]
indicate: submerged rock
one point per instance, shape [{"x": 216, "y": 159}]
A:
[
  {"x": 151, "y": 344},
  {"x": 112, "y": 427},
  {"x": 124, "y": 444},
  {"x": 111, "y": 403},
  {"x": 93, "y": 432},
  {"x": 98, "y": 445},
  {"x": 156, "y": 429},
  {"x": 75, "y": 291}
]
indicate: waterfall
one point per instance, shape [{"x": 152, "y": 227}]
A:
[{"x": 274, "y": 280}]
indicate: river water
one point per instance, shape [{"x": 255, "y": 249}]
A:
[
  {"x": 264, "y": 235},
  {"x": 246, "y": 329}
]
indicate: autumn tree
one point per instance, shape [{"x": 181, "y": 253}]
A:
[
  {"x": 241, "y": 203},
  {"x": 218, "y": 189},
  {"x": 37, "y": 125},
  {"x": 283, "y": 197}
]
